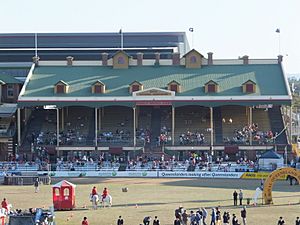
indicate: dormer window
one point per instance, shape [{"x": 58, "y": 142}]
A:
[
  {"x": 211, "y": 87},
  {"x": 61, "y": 87},
  {"x": 174, "y": 86},
  {"x": 249, "y": 87},
  {"x": 135, "y": 86},
  {"x": 98, "y": 87},
  {"x": 120, "y": 60},
  {"x": 193, "y": 59}
]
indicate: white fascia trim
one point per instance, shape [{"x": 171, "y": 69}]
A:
[
  {"x": 154, "y": 88},
  {"x": 156, "y": 98}
]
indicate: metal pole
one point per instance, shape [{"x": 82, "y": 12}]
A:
[
  {"x": 19, "y": 126},
  {"x": 173, "y": 125},
  {"x": 57, "y": 127},
  {"x": 134, "y": 126},
  {"x": 211, "y": 130},
  {"x": 96, "y": 127},
  {"x": 250, "y": 122}
]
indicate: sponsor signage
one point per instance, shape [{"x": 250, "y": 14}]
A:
[
  {"x": 200, "y": 174},
  {"x": 259, "y": 175},
  {"x": 104, "y": 174}
]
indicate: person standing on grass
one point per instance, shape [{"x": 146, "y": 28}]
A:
[
  {"x": 85, "y": 221},
  {"x": 177, "y": 221},
  {"x": 241, "y": 196},
  {"x": 36, "y": 185},
  {"x": 235, "y": 197},
  {"x": 204, "y": 215},
  {"x": 213, "y": 217},
  {"x": 120, "y": 221},
  {"x": 156, "y": 221},
  {"x": 243, "y": 215},
  {"x": 184, "y": 218},
  {"x": 147, "y": 220},
  {"x": 281, "y": 221},
  {"x": 234, "y": 220},
  {"x": 297, "y": 222}
]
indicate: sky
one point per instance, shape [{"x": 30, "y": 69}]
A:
[{"x": 228, "y": 28}]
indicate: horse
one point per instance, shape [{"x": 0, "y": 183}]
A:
[
  {"x": 94, "y": 199},
  {"x": 107, "y": 200}
]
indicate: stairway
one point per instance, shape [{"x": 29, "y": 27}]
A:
[
  {"x": 277, "y": 125},
  {"x": 10, "y": 146},
  {"x": 155, "y": 125},
  {"x": 218, "y": 130}
]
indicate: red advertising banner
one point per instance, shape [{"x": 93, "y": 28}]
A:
[{"x": 152, "y": 103}]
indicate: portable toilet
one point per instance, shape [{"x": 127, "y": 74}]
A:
[{"x": 63, "y": 195}]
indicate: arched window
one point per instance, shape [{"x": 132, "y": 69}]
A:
[
  {"x": 193, "y": 59},
  {"x": 56, "y": 192},
  {"x": 121, "y": 60},
  {"x": 66, "y": 192}
]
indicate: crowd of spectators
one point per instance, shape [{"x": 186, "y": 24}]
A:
[
  {"x": 192, "y": 138},
  {"x": 242, "y": 136}
]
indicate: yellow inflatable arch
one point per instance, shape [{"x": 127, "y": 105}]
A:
[{"x": 268, "y": 185}]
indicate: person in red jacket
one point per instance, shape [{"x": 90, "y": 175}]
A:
[
  {"x": 104, "y": 194},
  {"x": 85, "y": 221},
  {"x": 4, "y": 204},
  {"x": 94, "y": 191}
]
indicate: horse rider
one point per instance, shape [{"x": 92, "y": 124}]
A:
[
  {"x": 94, "y": 191},
  {"x": 4, "y": 204},
  {"x": 104, "y": 193}
]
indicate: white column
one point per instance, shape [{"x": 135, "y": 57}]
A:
[
  {"x": 62, "y": 119},
  {"x": 134, "y": 126},
  {"x": 19, "y": 126},
  {"x": 99, "y": 121},
  {"x": 173, "y": 125},
  {"x": 57, "y": 127},
  {"x": 250, "y": 122},
  {"x": 211, "y": 130},
  {"x": 96, "y": 126}
]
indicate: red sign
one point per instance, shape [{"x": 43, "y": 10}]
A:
[{"x": 153, "y": 103}]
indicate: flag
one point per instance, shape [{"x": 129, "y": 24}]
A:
[
  {"x": 191, "y": 29},
  {"x": 277, "y": 30}
]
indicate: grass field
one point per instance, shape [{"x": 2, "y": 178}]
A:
[{"x": 160, "y": 197}]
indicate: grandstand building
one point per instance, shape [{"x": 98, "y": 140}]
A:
[
  {"x": 125, "y": 103},
  {"x": 17, "y": 50}
]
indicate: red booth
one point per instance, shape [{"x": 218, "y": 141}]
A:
[{"x": 63, "y": 195}]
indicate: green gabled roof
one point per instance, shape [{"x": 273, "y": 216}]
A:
[
  {"x": 269, "y": 79},
  {"x": 9, "y": 79},
  {"x": 211, "y": 81},
  {"x": 61, "y": 82}
]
